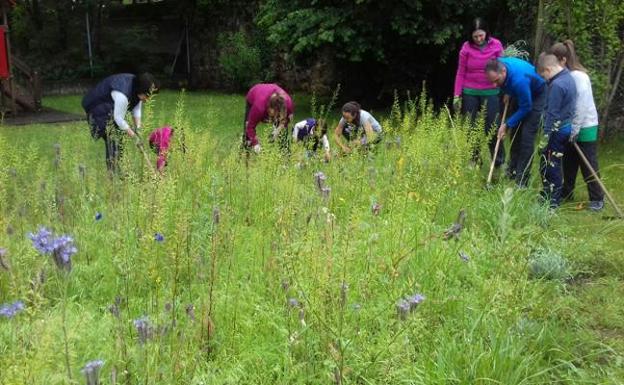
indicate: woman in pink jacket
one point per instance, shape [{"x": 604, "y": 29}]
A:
[
  {"x": 266, "y": 103},
  {"x": 472, "y": 87}
]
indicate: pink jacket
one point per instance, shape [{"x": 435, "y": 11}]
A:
[
  {"x": 160, "y": 141},
  {"x": 258, "y": 100},
  {"x": 471, "y": 66}
]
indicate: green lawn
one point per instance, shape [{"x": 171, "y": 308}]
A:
[{"x": 259, "y": 279}]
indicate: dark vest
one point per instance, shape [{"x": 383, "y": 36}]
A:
[
  {"x": 101, "y": 93},
  {"x": 98, "y": 103}
]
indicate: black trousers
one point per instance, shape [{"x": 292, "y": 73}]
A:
[
  {"x": 572, "y": 162},
  {"x": 471, "y": 105},
  {"x": 523, "y": 141}
]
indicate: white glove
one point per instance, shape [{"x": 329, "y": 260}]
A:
[{"x": 256, "y": 148}]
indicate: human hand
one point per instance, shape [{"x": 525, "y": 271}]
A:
[
  {"x": 130, "y": 132},
  {"x": 502, "y": 130},
  {"x": 573, "y": 137},
  {"x": 256, "y": 148},
  {"x": 457, "y": 103}
]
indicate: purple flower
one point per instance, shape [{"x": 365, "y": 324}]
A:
[
  {"x": 158, "y": 237},
  {"x": 92, "y": 371},
  {"x": 42, "y": 240},
  {"x": 61, "y": 248},
  {"x": 292, "y": 302},
  {"x": 144, "y": 329},
  {"x": 376, "y": 208},
  {"x": 9, "y": 310},
  {"x": 464, "y": 257},
  {"x": 98, "y": 216},
  {"x": 415, "y": 300},
  {"x": 403, "y": 308}
]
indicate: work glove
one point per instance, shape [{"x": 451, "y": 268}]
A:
[
  {"x": 256, "y": 148},
  {"x": 573, "y": 137}
]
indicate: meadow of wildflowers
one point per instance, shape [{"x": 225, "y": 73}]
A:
[{"x": 289, "y": 270}]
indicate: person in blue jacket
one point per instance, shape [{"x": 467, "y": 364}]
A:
[
  {"x": 561, "y": 106},
  {"x": 107, "y": 104},
  {"x": 519, "y": 80}
]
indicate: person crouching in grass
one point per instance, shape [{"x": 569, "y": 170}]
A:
[
  {"x": 560, "y": 108},
  {"x": 160, "y": 142},
  {"x": 358, "y": 127},
  {"x": 312, "y": 134}
]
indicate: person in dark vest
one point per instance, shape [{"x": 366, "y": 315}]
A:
[{"x": 107, "y": 104}]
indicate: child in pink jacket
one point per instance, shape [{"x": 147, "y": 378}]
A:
[{"x": 160, "y": 142}]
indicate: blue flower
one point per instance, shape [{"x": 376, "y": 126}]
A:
[
  {"x": 158, "y": 237},
  {"x": 60, "y": 248},
  {"x": 403, "y": 308},
  {"x": 98, "y": 216},
  {"x": 144, "y": 329},
  {"x": 415, "y": 300},
  {"x": 42, "y": 240},
  {"x": 9, "y": 310},
  {"x": 92, "y": 371}
]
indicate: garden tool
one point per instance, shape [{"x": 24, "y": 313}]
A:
[
  {"x": 498, "y": 142},
  {"x": 595, "y": 175}
]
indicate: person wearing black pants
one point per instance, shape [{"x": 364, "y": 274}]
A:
[
  {"x": 519, "y": 80},
  {"x": 572, "y": 162},
  {"x": 106, "y": 106},
  {"x": 471, "y": 104}
]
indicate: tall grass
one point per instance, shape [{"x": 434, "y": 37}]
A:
[{"x": 261, "y": 279}]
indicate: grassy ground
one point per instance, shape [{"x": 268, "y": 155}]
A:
[{"x": 262, "y": 280}]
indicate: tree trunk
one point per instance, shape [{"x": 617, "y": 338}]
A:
[
  {"x": 539, "y": 30},
  {"x": 614, "y": 88}
]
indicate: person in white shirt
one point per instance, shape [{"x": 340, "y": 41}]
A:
[
  {"x": 313, "y": 134},
  {"x": 356, "y": 124},
  {"x": 107, "y": 104},
  {"x": 584, "y": 129}
]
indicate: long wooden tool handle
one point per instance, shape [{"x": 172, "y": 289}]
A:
[
  {"x": 498, "y": 141},
  {"x": 595, "y": 175}
]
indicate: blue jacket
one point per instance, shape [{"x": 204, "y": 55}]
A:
[
  {"x": 523, "y": 83},
  {"x": 561, "y": 103}
]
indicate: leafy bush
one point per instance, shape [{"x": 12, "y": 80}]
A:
[{"x": 239, "y": 60}]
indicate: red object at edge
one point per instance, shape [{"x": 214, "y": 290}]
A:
[{"x": 4, "y": 57}]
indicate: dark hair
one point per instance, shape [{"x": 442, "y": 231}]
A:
[
  {"x": 277, "y": 102},
  {"x": 145, "y": 83},
  {"x": 494, "y": 65},
  {"x": 566, "y": 51},
  {"x": 353, "y": 108},
  {"x": 476, "y": 24}
]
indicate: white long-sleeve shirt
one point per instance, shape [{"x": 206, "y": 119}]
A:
[
  {"x": 585, "y": 114},
  {"x": 121, "y": 107},
  {"x": 300, "y": 126}
]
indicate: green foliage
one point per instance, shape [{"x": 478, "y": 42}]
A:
[
  {"x": 239, "y": 60},
  {"x": 364, "y": 31},
  {"x": 596, "y": 27}
]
